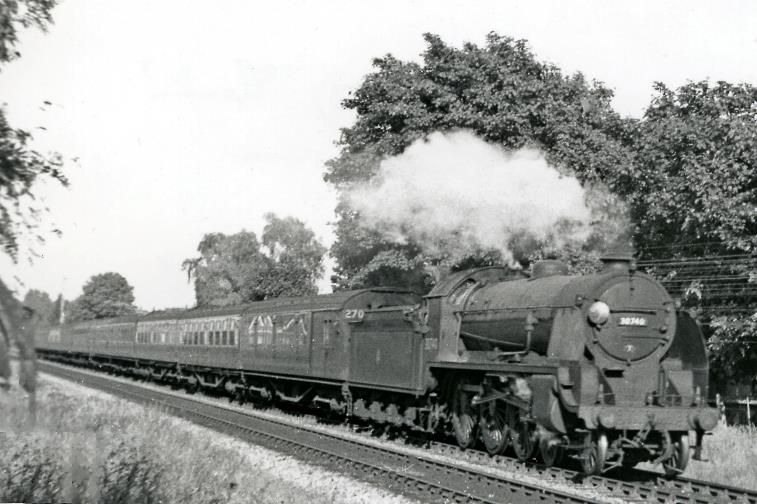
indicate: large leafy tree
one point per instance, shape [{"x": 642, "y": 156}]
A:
[
  {"x": 696, "y": 180},
  {"x": 503, "y": 94},
  {"x": 104, "y": 295},
  {"x": 239, "y": 268},
  {"x": 20, "y": 165}
]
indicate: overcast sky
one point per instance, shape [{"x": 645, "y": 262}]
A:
[{"x": 188, "y": 117}]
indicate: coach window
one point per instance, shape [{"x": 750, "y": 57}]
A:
[
  {"x": 330, "y": 330},
  {"x": 304, "y": 327},
  {"x": 259, "y": 329},
  {"x": 252, "y": 332}
]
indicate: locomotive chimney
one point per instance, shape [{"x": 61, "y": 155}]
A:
[{"x": 619, "y": 259}]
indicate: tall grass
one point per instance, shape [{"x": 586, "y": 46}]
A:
[
  {"x": 730, "y": 455},
  {"x": 91, "y": 448}
]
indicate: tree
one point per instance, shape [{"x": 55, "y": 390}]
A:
[
  {"x": 20, "y": 165},
  {"x": 60, "y": 308},
  {"x": 295, "y": 255},
  {"x": 41, "y": 303},
  {"x": 696, "y": 180},
  {"x": 227, "y": 269},
  {"x": 238, "y": 268},
  {"x": 104, "y": 295},
  {"x": 500, "y": 92},
  {"x": 733, "y": 349}
]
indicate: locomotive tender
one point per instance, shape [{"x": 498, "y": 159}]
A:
[{"x": 599, "y": 367}]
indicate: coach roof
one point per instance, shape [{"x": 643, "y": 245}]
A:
[{"x": 363, "y": 298}]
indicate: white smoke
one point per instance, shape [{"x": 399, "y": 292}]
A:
[{"x": 454, "y": 194}]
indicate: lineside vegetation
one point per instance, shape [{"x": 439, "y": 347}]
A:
[{"x": 106, "y": 450}]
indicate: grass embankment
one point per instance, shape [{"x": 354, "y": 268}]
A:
[
  {"x": 731, "y": 457},
  {"x": 93, "y": 448}
]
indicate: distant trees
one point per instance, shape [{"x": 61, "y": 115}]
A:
[
  {"x": 41, "y": 303},
  {"x": 238, "y": 268},
  {"x": 104, "y": 295},
  {"x": 21, "y": 166}
]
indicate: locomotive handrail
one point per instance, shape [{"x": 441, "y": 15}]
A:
[
  {"x": 517, "y": 308},
  {"x": 491, "y": 340}
]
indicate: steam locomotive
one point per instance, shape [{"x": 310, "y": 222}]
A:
[{"x": 601, "y": 368}]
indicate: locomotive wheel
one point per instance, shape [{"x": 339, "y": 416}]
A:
[
  {"x": 494, "y": 430},
  {"x": 522, "y": 435},
  {"x": 594, "y": 453},
  {"x": 679, "y": 456},
  {"x": 465, "y": 429},
  {"x": 550, "y": 450}
]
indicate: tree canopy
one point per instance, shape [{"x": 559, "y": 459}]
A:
[
  {"x": 104, "y": 295},
  {"x": 503, "y": 94},
  {"x": 20, "y": 165},
  {"x": 696, "y": 180},
  {"x": 239, "y": 268}
]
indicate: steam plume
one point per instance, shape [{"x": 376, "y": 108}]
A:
[{"x": 454, "y": 195}]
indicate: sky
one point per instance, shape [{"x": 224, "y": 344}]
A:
[{"x": 177, "y": 119}]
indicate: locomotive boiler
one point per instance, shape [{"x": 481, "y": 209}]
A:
[{"x": 601, "y": 368}]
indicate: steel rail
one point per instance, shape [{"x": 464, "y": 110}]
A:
[
  {"x": 421, "y": 477},
  {"x": 634, "y": 485}
]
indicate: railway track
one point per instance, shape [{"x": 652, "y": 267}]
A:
[
  {"x": 421, "y": 477},
  {"x": 633, "y": 486}
]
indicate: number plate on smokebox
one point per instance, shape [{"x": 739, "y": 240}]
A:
[{"x": 632, "y": 321}]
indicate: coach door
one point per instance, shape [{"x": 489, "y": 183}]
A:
[{"x": 329, "y": 356}]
